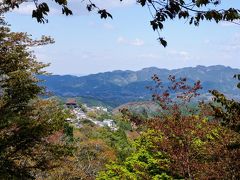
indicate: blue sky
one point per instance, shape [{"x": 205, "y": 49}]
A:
[{"x": 86, "y": 44}]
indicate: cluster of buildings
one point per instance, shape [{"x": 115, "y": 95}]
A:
[{"x": 80, "y": 114}]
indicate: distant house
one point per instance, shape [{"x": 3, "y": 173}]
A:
[
  {"x": 101, "y": 108},
  {"x": 71, "y": 103},
  {"x": 110, "y": 123}
]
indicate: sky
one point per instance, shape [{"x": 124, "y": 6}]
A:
[{"x": 85, "y": 44}]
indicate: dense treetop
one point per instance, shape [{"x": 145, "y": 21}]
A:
[{"x": 27, "y": 122}]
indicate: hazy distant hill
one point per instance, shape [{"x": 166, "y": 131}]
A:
[{"x": 118, "y": 87}]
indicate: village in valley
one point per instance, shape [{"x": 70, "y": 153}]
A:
[{"x": 81, "y": 113}]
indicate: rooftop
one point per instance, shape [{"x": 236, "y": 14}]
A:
[{"x": 71, "y": 101}]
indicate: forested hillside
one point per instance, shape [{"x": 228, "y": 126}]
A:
[{"x": 118, "y": 87}]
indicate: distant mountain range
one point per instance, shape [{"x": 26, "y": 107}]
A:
[{"x": 118, "y": 87}]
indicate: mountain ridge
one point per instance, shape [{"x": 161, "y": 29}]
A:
[{"x": 122, "y": 86}]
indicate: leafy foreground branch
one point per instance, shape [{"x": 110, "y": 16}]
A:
[{"x": 192, "y": 11}]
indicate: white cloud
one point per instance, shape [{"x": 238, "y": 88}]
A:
[
  {"x": 87, "y": 55},
  {"x": 108, "y": 26},
  {"x": 149, "y": 56},
  {"x": 121, "y": 40},
  {"x": 26, "y": 8},
  {"x": 78, "y": 7},
  {"x": 137, "y": 42},
  {"x": 134, "y": 42},
  {"x": 99, "y": 24},
  {"x": 180, "y": 54},
  {"x": 207, "y": 41}
]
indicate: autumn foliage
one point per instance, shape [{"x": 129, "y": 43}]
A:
[{"x": 181, "y": 142}]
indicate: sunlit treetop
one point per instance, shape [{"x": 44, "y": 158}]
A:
[{"x": 193, "y": 11}]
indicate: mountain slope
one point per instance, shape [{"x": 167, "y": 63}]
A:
[{"x": 117, "y": 87}]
